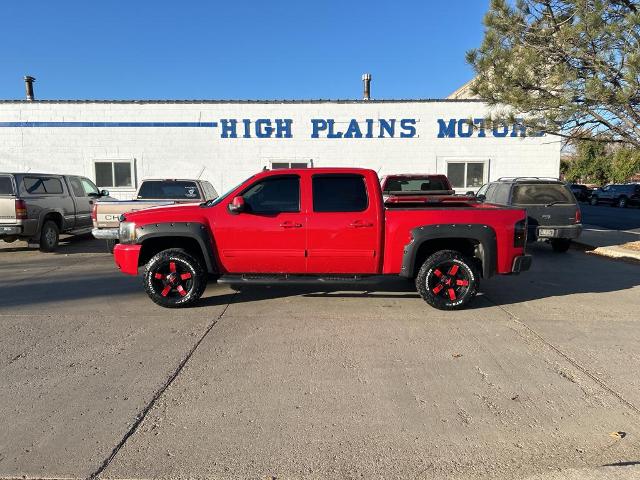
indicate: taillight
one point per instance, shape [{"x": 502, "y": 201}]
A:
[
  {"x": 578, "y": 215},
  {"x": 520, "y": 234},
  {"x": 94, "y": 212},
  {"x": 21, "y": 210}
]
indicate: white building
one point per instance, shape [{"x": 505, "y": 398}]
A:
[{"x": 119, "y": 143}]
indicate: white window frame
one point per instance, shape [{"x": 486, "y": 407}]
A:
[
  {"x": 268, "y": 162},
  {"x": 466, "y": 161},
  {"x": 132, "y": 167}
]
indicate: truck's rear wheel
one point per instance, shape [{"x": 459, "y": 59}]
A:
[
  {"x": 448, "y": 280},
  {"x": 173, "y": 279},
  {"x": 49, "y": 236}
]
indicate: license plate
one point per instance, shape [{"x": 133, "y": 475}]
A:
[{"x": 546, "y": 232}]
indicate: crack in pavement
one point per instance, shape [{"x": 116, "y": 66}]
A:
[
  {"x": 569, "y": 359},
  {"x": 142, "y": 415}
]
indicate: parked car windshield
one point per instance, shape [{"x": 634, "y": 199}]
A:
[
  {"x": 541, "y": 194},
  {"x": 168, "y": 190},
  {"x": 414, "y": 184},
  {"x": 6, "y": 186}
]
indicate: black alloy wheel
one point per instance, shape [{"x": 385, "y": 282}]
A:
[
  {"x": 173, "y": 278},
  {"x": 448, "y": 280}
]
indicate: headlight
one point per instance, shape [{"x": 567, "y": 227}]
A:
[{"x": 127, "y": 232}]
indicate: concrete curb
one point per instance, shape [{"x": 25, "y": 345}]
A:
[{"x": 610, "y": 251}]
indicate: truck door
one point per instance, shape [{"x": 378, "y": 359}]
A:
[
  {"x": 269, "y": 235},
  {"x": 343, "y": 226},
  {"x": 82, "y": 202}
]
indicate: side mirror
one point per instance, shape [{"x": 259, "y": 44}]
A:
[
  {"x": 481, "y": 198},
  {"x": 237, "y": 205},
  {"x": 104, "y": 193}
]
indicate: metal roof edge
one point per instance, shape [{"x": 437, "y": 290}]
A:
[{"x": 150, "y": 102}]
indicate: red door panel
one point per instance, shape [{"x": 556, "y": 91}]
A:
[{"x": 343, "y": 229}]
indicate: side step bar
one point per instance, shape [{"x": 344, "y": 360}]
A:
[{"x": 286, "y": 279}]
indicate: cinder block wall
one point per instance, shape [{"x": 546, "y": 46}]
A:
[{"x": 184, "y": 151}]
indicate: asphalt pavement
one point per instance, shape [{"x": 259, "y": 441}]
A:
[
  {"x": 614, "y": 218},
  {"x": 538, "y": 379}
]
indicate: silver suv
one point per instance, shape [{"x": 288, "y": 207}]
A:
[{"x": 38, "y": 207}]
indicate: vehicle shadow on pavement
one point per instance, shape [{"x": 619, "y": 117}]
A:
[{"x": 69, "y": 244}]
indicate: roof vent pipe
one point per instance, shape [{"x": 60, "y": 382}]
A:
[
  {"x": 366, "y": 79},
  {"x": 28, "y": 85}
]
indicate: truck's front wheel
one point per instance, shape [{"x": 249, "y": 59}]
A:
[
  {"x": 448, "y": 280},
  {"x": 173, "y": 278}
]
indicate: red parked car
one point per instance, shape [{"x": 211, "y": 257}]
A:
[{"x": 320, "y": 223}]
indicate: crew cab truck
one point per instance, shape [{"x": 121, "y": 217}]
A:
[
  {"x": 326, "y": 224},
  {"x": 152, "y": 193}
]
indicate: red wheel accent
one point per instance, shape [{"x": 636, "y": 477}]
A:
[
  {"x": 185, "y": 276},
  {"x": 453, "y": 270},
  {"x": 158, "y": 276},
  {"x": 452, "y": 294},
  {"x": 438, "y": 288},
  {"x": 462, "y": 283},
  {"x": 165, "y": 291},
  {"x": 172, "y": 267},
  {"x": 437, "y": 273},
  {"x": 181, "y": 290}
]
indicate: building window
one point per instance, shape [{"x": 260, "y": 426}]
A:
[
  {"x": 114, "y": 173},
  {"x": 277, "y": 164},
  {"x": 467, "y": 174}
]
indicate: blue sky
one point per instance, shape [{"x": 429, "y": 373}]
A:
[{"x": 278, "y": 49}]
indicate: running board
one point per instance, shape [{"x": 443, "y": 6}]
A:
[{"x": 286, "y": 279}]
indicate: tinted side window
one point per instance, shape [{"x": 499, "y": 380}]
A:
[
  {"x": 501, "y": 194},
  {"x": 339, "y": 193},
  {"x": 89, "y": 187},
  {"x": 273, "y": 195},
  {"x": 490, "y": 191},
  {"x": 76, "y": 186}
]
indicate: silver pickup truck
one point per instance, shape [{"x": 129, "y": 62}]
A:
[
  {"x": 39, "y": 207},
  {"x": 152, "y": 193}
]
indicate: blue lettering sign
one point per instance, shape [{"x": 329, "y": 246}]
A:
[
  {"x": 447, "y": 130},
  {"x": 408, "y": 127},
  {"x": 317, "y": 125}
]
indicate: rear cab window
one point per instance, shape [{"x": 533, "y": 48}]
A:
[
  {"x": 541, "y": 194},
  {"x": 414, "y": 184},
  {"x": 169, "y": 190},
  {"x": 339, "y": 193},
  {"x": 6, "y": 185},
  {"x": 42, "y": 185}
]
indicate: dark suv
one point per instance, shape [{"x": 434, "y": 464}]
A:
[
  {"x": 619, "y": 195},
  {"x": 552, "y": 210}
]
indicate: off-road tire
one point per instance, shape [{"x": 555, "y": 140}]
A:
[
  {"x": 49, "y": 236},
  {"x": 444, "y": 272},
  {"x": 560, "y": 245},
  {"x": 173, "y": 278}
]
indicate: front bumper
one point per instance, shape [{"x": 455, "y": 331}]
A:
[
  {"x": 521, "y": 263},
  {"x": 126, "y": 257},
  {"x": 106, "y": 233}
]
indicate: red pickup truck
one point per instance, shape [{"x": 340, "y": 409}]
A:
[{"x": 327, "y": 224}]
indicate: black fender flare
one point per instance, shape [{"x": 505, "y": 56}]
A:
[
  {"x": 483, "y": 234},
  {"x": 197, "y": 231}
]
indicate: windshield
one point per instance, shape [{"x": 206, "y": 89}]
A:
[
  {"x": 6, "y": 186},
  {"x": 216, "y": 201},
  {"x": 414, "y": 184},
  {"x": 168, "y": 190},
  {"x": 541, "y": 194}
]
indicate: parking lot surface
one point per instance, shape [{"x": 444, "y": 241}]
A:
[{"x": 537, "y": 379}]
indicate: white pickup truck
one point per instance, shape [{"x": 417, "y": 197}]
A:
[{"x": 152, "y": 193}]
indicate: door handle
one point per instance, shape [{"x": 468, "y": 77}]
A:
[
  {"x": 290, "y": 225},
  {"x": 360, "y": 224}
]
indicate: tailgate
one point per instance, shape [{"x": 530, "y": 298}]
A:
[
  {"x": 552, "y": 215},
  {"x": 108, "y": 213},
  {"x": 7, "y": 200}
]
